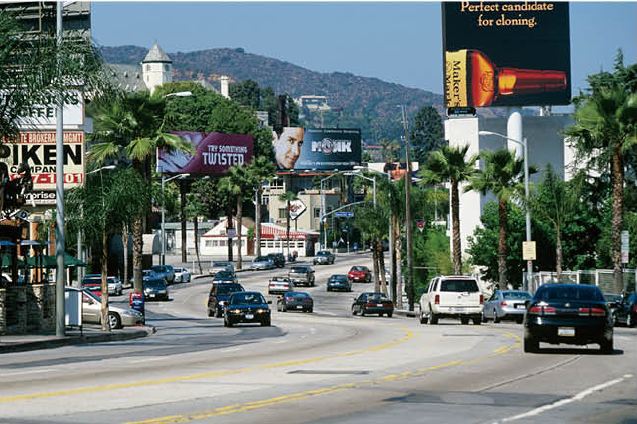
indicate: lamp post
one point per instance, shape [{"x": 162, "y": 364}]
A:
[
  {"x": 408, "y": 228},
  {"x": 524, "y": 144},
  {"x": 164, "y": 180}
]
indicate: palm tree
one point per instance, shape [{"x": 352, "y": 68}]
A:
[
  {"x": 606, "y": 128},
  {"x": 502, "y": 175},
  {"x": 260, "y": 169},
  {"x": 451, "y": 164},
  {"x": 389, "y": 150},
  {"x": 235, "y": 185},
  {"x": 130, "y": 127},
  {"x": 288, "y": 197}
]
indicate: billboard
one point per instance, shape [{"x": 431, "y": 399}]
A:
[
  {"x": 43, "y": 113},
  {"x": 37, "y": 149},
  {"x": 506, "y": 53},
  {"x": 213, "y": 154},
  {"x": 317, "y": 148},
  {"x": 396, "y": 170}
]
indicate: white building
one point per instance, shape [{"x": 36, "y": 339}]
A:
[
  {"x": 156, "y": 68},
  {"x": 215, "y": 241}
]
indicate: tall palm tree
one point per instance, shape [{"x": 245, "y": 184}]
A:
[
  {"x": 288, "y": 197},
  {"x": 130, "y": 127},
  {"x": 235, "y": 185},
  {"x": 260, "y": 170},
  {"x": 606, "y": 128},
  {"x": 502, "y": 175},
  {"x": 450, "y": 164}
]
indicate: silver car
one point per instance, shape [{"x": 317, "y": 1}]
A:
[
  {"x": 506, "y": 305},
  {"x": 182, "y": 275},
  {"x": 221, "y": 266},
  {"x": 117, "y": 317},
  {"x": 262, "y": 262}
]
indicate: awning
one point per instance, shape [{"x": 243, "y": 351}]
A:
[
  {"x": 276, "y": 232},
  {"x": 5, "y": 261}
]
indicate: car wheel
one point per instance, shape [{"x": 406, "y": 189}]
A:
[
  {"x": 422, "y": 318},
  {"x": 266, "y": 322},
  {"x": 218, "y": 313},
  {"x": 310, "y": 310},
  {"x": 354, "y": 310},
  {"x": 380, "y": 314},
  {"x": 520, "y": 320},
  {"x": 496, "y": 319},
  {"x": 477, "y": 320},
  {"x": 464, "y": 320},
  {"x": 484, "y": 317},
  {"x": 433, "y": 319},
  {"x": 389, "y": 314},
  {"x": 630, "y": 322},
  {"x": 210, "y": 313},
  {"x": 362, "y": 311},
  {"x": 228, "y": 323},
  {"x": 328, "y": 289},
  {"x": 606, "y": 346},
  {"x": 284, "y": 308},
  {"x": 114, "y": 321},
  {"x": 531, "y": 345}
]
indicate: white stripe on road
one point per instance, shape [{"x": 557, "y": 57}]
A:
[
  {"x": 581, "y": 395},
  {"x": 148, "y": 359},
  {"x": 25, "y": 372}
]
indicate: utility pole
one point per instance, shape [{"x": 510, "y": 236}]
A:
[
  {"x": 409, "y": 283},
  {"x": 60, "y": 314}
]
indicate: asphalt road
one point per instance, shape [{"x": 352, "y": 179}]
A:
[{"x": 325, "y": 367}]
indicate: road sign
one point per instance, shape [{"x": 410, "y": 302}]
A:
[
  {"x": 344, "y": 214},
  {"x": 297, "y": 207},
  {"x": 420, "y": 224},
  {"x": 625, "y": 246},
  {"x": 528, "y": 250}
]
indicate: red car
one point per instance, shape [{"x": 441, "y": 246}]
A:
[
  {"x": 359, "y": 274},
  {"x": 95, "y": 288}
]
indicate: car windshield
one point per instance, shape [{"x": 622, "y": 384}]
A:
[
  {"x": 377, "y": 297},
  {"x": 220, "y": 264},
  {"x": 155, "y": 284},
  {"x": 261, "y": 259},
  {"x": 299, "y": 295},
  {"x": 579, "y": 292},
  {"x": 229, "y": 288},
  {"x": 91, "y": 281},
  {"x": 179, "y": 269},
  {"x": 339, "y": 278},
  {"x": 612, "y": 297},
  {"x": 158, "y": 268},
  {"x": 247, "y": 298},
  {"x": 299, "y": 269},
  {"x": 281, "y": 279},
  {"x": 359, "y": 268},
  {"x": 459, "y": 286},
  {"x": 516, "y": 295},
  {"x": 323, "y": 253}
]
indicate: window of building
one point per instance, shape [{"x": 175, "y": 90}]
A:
[
  {"x": 283, "y": 213},
  {"x": 167, "y": 68},
  {"x": 300, "y": 244},
  {"x": 270, "y": 244},
  {"x": 317, "y": 212},
  {"x": 222, "y": 242},
  {"x": 209, "y": 243}
]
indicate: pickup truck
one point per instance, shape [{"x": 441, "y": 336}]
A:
[{"x": 302, "y": 275}]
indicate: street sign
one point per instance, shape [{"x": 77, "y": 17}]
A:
[
  {"x": 528, "y": 250},
  {"x": 297, "y": 207},
  {"x": 344, "y": 214},
  {"x": 420, "y": 224},
  {"x": 625, "y": 246}
]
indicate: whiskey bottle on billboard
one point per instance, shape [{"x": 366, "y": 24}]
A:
[{"x": 471, "y": 79}]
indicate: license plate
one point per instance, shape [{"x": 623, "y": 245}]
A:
[
  {"x": 249, "y": 316},
  {"x": 299, "y": 307},
  {"x": 380, "y": 305},
  {"x": 151, "y": 295},
  {"x": 566, "y": 331}
]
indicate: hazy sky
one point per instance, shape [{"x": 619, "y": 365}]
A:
[{"x": 395, "y": 42}]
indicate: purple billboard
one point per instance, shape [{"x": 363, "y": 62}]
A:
[{"x": 214, "y": 153}]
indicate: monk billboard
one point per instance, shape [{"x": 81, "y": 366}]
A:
[{"x": 212, "y": 154}]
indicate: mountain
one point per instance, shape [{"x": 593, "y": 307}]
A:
[{"x": 359, "y": 102}]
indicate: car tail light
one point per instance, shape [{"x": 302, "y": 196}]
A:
[
  {"x": 584, "y": 312},
  {"x": 503, "y": 303},
  {"x": 541, "y": 310},
  {"x": 481, "y": 299},
  {"x": 535, "y": 310},
  {"x": 437, "y": 299},
  {"x": 635, "y": 309},
  {"x": 370, "y": 305},
  {"x": 595, "y": 312},
  {"x": 548, "y": 310}
]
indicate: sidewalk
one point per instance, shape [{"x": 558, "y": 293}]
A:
[{"x": 90, "y": 334}]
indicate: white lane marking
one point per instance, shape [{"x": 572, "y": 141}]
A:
[
  {"x": 25, "y": 372},
  {"x": 581, "y": 395},
  {"x": 232, "y": 349},
  {"x": 148, "y": 359}
]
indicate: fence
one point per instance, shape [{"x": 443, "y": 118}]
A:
[{"x": 603, "y": 278}]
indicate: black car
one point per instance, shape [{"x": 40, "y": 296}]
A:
[
  {"x": 295, "y": 301},
  {"x": 626, "y": 312},
  {"x": 373, "y": 303},
  {"x": 324, "y": 257},
  {"x": 219, "y": 294},
  {"x": 247, "y": 307},
  {"x": 277, "y": 258},
  {"x": 339, "y": 282},
  {"x": 568, "y": 313},
  {"x": 155, "y": 288},
  {"x": 225, "y": 276}
]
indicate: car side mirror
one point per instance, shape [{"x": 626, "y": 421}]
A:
[{"x": 269, "y": 302}]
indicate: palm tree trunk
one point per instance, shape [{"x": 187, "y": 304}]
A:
[
  {"x": 125, "y": 250},
  {"x": 195, "y": 226},
  {"x": 104, "y": 283},
  {"x": 398, "y": 262},
  {"x": 138, "y": 241},
  {"x": 257, "y": 224},
  {"x": 455, "y": 228},
  {"x": 502, "y": 246},
  {"x": 558, "y": 253},
  {"x": 375, "y": 261},
  {"x": 617, "y": 220},
  {"x": 287, "y": 229},
  {"x": 394, "y": 256},
  {"x": 239, "y": 221},
  {"x": 381, "y": 267},
  {"x": 184, "y": 233},
  {"x": 229, "y": 226}
]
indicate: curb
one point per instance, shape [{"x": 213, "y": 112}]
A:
[
  {"x": 406, "y": 313},
  {"x": 76, "y": 340}
]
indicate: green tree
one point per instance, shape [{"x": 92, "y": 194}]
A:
[
  {"x": 501, "y": 175},
  {"x": 237, "y": 186},
  {"x": 373, "y": 224},
  {"x": 390, "y": 150},
  {"x": 287, "y": 197},
  {"x": 605, "y": 129},
  {"x": 246, "y": 93},
  {"x": 451, "y": 164},
  {"x": 427, "y": 133},
  {"x": 260, "y": 170}
]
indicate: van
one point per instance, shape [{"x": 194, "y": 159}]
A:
[{"x": 454, "y": 296}]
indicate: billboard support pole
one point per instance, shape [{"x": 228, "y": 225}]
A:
[{"x": 59, "y": 195}]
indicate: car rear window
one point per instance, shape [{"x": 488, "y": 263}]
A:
[
  {"x": 377, "y": 297},
  {"x": 339, "y": 278},
  {"x": 516, "y": 295},
  {"x": 459, "y": 286},
  {"x": 580, "y": 292},
  {"x": 229, "y": 288},
  {"x": 359, "y": 268},
  {"x": 300, "y": 269},
  {"x": 248, "y": 298}
]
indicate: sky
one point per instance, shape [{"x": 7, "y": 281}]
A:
[{"x": 395, "y": 42}]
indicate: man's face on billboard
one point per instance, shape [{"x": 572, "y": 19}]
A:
[{"x": 287, "y": 148}]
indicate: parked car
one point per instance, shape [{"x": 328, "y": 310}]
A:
[
  {"x": 93, "y": 282},
  {"x": 295, "y": 301},
  {"x": 225, "y": 277},
  {"x": 182, "y": 275},
  {"x": 280, "y": 285},
  {"x": 324, "y": 257},
  {"x": 568, "y": 313},
  {"x": 221, "y": 266},
  {"x": 359, "y": 274},
  {"x": 372, "y": 303},
  {"x": 455, "y": 296},
  {"x": 339, "y": 282},
  {"x": 117, "y": 317},
  {"x": 165, "y": 271},
  {"x": 155, "y": 288},
  {"x": 277, "y": 258},
  {"x": 219, "y": 295},
  {"x": 626, "y": 312},
  {"x": 247, "y": 307},
  {"x": 146, "y": 274},
  {"x": 302, "y": 275},
  {"x": 506, "y": 305},
  {"x": 261, "y": 263}
]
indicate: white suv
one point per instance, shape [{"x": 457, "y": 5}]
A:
[{"x": 454, "y": 296}]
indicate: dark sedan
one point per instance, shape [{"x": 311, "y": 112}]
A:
[
  {"x": 247, "y": 307},
  {"x": 373, "y": 303},
  {"x": 626, "y": 312},
  {"x": 219, "y": 294},
  {"x": 339, "y": 282},
  {"x": 295, "y": 301},
  {"x": 568, "y": 313},
  {"x": 155, "y": 289}
]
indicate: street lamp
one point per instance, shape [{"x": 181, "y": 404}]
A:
[
  {"x": 164, "y": 180},
  {"x": 103, "y": 168},
  {"x": 179, "y": 94},
  {"x": 524, "y": 144}
]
